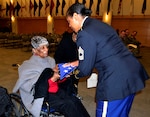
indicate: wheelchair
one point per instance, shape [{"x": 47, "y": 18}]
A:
[{"x": 19, "y": 109}]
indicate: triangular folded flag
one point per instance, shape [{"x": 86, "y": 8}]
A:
[{"x": 65, "y": 70}]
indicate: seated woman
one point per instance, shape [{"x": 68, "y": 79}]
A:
[{"x": 38, "y": 81}]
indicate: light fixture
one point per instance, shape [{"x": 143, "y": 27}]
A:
[
  {"x": 49, "y": 18},
  {"x": 11, "y": 1},
  {"x": 106, "y": 17},
  {"x": 12, "y": 18}
]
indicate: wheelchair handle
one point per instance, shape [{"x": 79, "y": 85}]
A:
[{"x": 15, "y": 65}]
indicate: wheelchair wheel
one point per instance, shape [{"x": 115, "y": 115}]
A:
[
  {"x": 49, "y": 112},
  {"x": 19, "y": 110},
  {"x": 56, "y": 114},
  {"x": 44, "y": 114}
]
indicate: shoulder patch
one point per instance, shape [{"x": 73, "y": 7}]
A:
[{"x": 81, "y": 53}]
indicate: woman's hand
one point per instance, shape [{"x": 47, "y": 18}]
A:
[{"x": 55, "y": 76}]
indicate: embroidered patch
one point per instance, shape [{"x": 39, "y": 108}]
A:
[{"x": 81, "y": 53}]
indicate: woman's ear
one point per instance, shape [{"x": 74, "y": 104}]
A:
[
  {"x": 75, "y": 16},
  {"x": 33, "y": 50}
]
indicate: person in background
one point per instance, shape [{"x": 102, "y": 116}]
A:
[
  {"x": 120, "y": 74},
  {"x": 67, "y": 52},
  {"x": 38, "y": 82},
  {"x": 127, "y": 33},
  {"x": 122, "y": 36},
  {"x": 133, "y": 44},
  {"x": 133, "y": 40}
]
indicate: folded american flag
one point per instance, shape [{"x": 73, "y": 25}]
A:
[{"x": 65, "y": 70}]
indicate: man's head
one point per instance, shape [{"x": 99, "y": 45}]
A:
[
  {"x": 40, "y": 46},
  {"x": 134, "y": 33},
  {"x": 122, "y": 34},
  {"x": 127, "y": 32}
]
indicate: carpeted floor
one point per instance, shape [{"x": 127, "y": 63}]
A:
[{"x": 9, "y": 75}]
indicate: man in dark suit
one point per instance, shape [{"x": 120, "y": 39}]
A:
[{"x": 120, "y": 74}]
